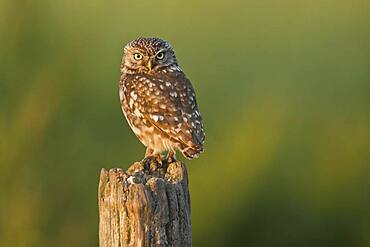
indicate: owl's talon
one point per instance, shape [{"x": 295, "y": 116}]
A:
[
  {"x": 147, "y": 160},
  {"x": 157, "y": 158}
]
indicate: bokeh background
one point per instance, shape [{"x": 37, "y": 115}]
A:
[{"x": 283, "y": 87}]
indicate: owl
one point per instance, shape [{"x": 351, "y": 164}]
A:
[{"x": 158, "y": 100}]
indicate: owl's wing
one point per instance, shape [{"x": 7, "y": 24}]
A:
[{"x": 172, "y": 108}]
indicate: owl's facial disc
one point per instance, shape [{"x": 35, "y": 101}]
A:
[{"x": 146, "y": 55}]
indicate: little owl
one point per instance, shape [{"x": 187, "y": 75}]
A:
[{"x": 158, "y": 100}]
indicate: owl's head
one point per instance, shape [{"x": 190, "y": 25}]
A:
[{"x": 144, "y": 55}]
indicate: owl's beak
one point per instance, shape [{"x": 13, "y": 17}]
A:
[{"x": 149, "y": 65}]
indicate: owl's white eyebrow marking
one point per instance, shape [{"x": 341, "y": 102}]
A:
[
  {"x": 136, "y": 50},
  {"x": 161, "y": 50}
]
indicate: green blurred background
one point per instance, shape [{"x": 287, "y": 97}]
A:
[{"x": 283, "y": 87}]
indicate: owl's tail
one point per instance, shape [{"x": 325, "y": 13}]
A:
[{"x": 191, "y": 152}]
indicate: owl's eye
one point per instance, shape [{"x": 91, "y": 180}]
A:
[
  {"x": 138, "y": 56},
  {"x": 160, "y": 55}
]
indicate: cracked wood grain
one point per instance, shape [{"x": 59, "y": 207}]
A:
[{"x": 146, "y": 206}]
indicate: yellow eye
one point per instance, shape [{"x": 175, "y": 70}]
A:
[
  {"x": 138, "y": 56},
  {"x": 160, "y": 55}
]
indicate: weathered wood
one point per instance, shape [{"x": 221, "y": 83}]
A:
[{"x": 148, "y": 205}]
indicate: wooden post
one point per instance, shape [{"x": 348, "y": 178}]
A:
[{"x": 148, "y": 205}]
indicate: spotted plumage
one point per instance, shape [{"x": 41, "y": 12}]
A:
[{"x": 158, "y": 100}]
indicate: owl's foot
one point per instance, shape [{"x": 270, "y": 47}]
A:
[
  {"x": 153, "y": 158},
  {"x": 171, "y": 157},
  {"x": 150, "y": 156}
]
